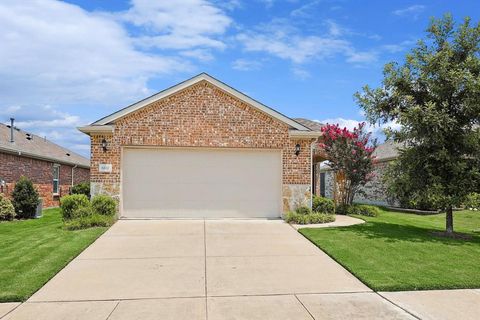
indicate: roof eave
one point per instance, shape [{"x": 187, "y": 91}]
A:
[
  {"x": 98, "y": 129},
  {"x": 304, "y": 134},
  {"x": 44, "y": 158}
]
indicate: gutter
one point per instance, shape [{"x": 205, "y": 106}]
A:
[
  {"x": 304, "y": 134},
  {"x": 105, "y": 129},
  {"x": 38, "y": 157}
]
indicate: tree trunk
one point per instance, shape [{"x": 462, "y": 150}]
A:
[{"x": 449, "y": 221}]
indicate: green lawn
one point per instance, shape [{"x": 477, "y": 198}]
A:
[
  {"x": 396, "y": 251},
  {"x": 33, "y": 251}
]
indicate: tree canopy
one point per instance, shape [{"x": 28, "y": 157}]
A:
[
  {"x": 434, "y": 97},
  {"x": 350, "y": 155}
]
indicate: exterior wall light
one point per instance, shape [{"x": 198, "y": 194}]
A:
[
  {"x": 104, "y": 145},
  {"x": 297, "y": 149}
]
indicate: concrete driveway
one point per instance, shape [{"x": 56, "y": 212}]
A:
[{"x": 212, "y": 269}]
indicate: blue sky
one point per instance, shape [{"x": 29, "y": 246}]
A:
[{"x": 68, "y": 63}]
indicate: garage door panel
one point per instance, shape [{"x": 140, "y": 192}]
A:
[{"x": 201, "y": 183}]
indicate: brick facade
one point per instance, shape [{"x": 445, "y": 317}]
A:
[
  {"x": 202, "y": 115},
  {"x": 12, "y": 167}
]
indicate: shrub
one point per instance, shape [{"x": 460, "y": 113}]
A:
[
  {"x": 363, "y": 210},
  {"x": 473, "y": 201},
  {"x": 104, "y": 205},
  {"x": 81, "y": 188},
  {"x": 321, "y": 204},
  {"x": 303, "y": 210},
  {"x": 7, "y": 211},
  {"x": 70, "y": 204},
  {"x": 82, "y": 212},
  {"x": 25, "y": 198},
  {"x": 342, "y": 209},
  {"x": 315, "y": 217},
  {"x": 89, "y": 221}
]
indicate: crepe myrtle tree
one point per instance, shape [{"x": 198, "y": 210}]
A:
[
  {"x": 350, "y": 155},
  {"x": 435, "y": 98}
]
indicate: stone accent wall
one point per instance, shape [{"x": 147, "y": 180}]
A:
[
  {"x": 374, "y": 190},
  {"x": 12, "y": 167},
  {"x": 296, "y": 195},
  {"x": 199, "y": 116}
]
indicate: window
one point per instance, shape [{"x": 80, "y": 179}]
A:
[
  {"x": 322, "y": 184},
  {"x": 56, "y": 179}
]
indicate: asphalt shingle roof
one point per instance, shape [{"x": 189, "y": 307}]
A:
[
  {"x": 312, "y": 125},
  {"x": 38, "y": 147}
]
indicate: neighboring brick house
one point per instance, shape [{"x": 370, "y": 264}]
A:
[
  {"x": 201, "y": 149},
  {"x": 52, "y": 168},
  {"x": 375, "y": 189}
]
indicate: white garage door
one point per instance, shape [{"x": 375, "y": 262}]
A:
[{"x": 193, "y": 183}]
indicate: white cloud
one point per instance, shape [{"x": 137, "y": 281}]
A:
[
  {"x": 334, "y": 29},
  {"x": 412, "y": 11},
  {"x": 281, "y": 39},
  {"x": 199, "y": 54},
  {"x": 68, "y": 55},
  {"x": 246, "y": 65},
  {"x": 399, "y": 47},
  {"x": 362, "y": 57},
  {"x": 193, "y": 23},
  {"x": 305, "y": 10},
  {"x": 300, "y": 73},
  {"x": 377, "y": 130}
]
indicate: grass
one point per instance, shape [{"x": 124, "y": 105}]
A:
[
  {"x": 33, "y": 251},
  {"x": 397, "y": 251}
]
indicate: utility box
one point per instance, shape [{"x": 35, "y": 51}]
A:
[{"x": 38, "y": 212}]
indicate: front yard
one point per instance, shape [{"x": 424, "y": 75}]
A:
[
  {"x": 33, "y": 251},
  {"x": 396, "y": 251}
]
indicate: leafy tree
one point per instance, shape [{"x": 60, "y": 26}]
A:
[
  {"x": 350, "y": 155},
  {"x": 435, "y": 97},
  {"x": 25, "y": 198}
]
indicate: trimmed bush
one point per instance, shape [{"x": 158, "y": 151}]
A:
[
  {"x": 90, "y": 221},
  {"x": 324, "y": 205},
  {"x": 315, "y": 217},
  {"x": 82, "y": 212},
  {"x": 81, "y": 188},
  {"x": 473, "y": 201},
  {"x": 25, "y": 198},
  {"x": 104, "y": 205},
  {"x": 7, "y": 211},
  {"x": 363, "y": 210},
  {"x": 303, "y": 210},
  {"x": 70, "y": 204}
]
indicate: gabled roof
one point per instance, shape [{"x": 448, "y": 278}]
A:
[
  {"x": 110, "y": 119},
  {"x": 38, "y": 148},
  {"x": 311, "y": 124}
]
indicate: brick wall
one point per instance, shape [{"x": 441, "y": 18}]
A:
[
  {"x": 199, "y": 116},
  {"x": 12, "y": 167}
]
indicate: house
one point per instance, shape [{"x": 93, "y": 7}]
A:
[
  {"x": 52, "y": 168},
  {"x": 375, "y": 189},
  {"x": 201, "y": 149}
]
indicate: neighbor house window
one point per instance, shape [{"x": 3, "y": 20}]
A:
[{"x": 56, "y": 179}]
